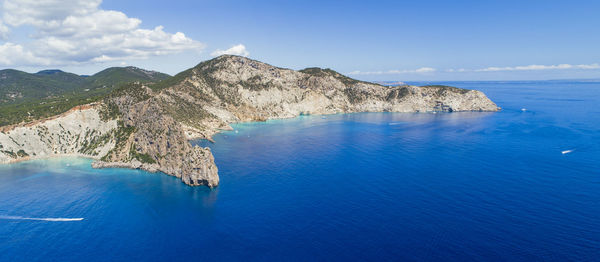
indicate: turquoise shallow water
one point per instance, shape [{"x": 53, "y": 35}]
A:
[{"x": 368, "y": 186}]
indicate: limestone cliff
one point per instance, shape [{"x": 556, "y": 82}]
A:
[
  {"x": 148, "y": 127},
  {"x": 79, "y": 132}
]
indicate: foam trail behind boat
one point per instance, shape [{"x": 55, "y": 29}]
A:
[{"x": 51, "y": 219}]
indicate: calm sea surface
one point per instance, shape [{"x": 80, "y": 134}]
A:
[{"x": 368, "y": 186}]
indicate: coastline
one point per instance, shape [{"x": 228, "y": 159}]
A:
[
  {"x": 153, "y": 168},
  {"x": 135, "y": 164},
  {"x": 140, "y": 127},
  {"x": 46, "y": 157},
  {"x": 229, "y": 127}
]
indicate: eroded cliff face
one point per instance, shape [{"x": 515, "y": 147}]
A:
[
  {"x": 78, "y": 132},
  {"x": 148, "y": 128},
  {"x": 154, "y": 141}
]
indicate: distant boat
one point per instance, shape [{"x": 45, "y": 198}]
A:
[
  {"x": 567, "y": 151},
  {"x": 523, "y": 109}
]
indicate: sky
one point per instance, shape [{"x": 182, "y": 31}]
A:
[{"x": 428, "y": 40}]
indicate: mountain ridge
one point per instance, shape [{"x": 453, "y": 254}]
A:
[{"x": 31, "y": 96}]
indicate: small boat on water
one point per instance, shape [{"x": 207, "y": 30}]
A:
[{"x": 567, "y": 151}]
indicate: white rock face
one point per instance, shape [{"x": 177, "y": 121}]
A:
[{"x": 79, "y": 132}]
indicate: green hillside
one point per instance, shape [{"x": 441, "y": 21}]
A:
[
  {"x": 119, "y": 75},
  {"x": 17, "y": 86},
  {"x": 27, "y": 97}
]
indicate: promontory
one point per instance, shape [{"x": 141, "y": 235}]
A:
[{"x": 148, "y": 124}]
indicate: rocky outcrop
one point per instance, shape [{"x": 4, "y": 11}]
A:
[
  {"x": 154, "y": 141},
  {"x": 78, "y": 132},
  {"x": 148, "y": 127}
]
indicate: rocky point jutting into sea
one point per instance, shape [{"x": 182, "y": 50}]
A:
[{"x": 148, "y": 126}]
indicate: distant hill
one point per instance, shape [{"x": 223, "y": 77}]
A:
[
  {"x": 17, "y": 86},
  {"x": 25, "y": 96},
  {"x": 119, "y": 75}
]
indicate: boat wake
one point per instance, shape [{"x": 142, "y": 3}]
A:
[{"x": 51, "y": 219}]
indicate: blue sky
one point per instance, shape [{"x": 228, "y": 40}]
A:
[{"x": 370, "y": 40}]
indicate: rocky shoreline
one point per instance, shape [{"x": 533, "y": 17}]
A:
[
  {"x": 149, "y": 127},
  {"x": 134, "y": 164}
]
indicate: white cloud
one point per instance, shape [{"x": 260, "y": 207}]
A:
[
  {"x": 538, "y": 67},
  {"x": 3, "y": 31},
  {"x": 234, "y": 50},
  {"x": 590, "y": 66},
  {"x": 46, "y": 13},
  {"x": 79, "y": 31},
  {"x": 425, "y": 70},
  {"x": 15, "y": 54},
  {"x": 421, "y": 70}
]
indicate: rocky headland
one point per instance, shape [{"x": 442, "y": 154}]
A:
[{"x": 148, "y": 126}]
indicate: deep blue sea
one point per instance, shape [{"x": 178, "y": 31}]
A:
[{"x": 367, "y": 186}]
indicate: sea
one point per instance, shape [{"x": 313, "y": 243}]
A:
[{"x": 522, "y": 184}]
